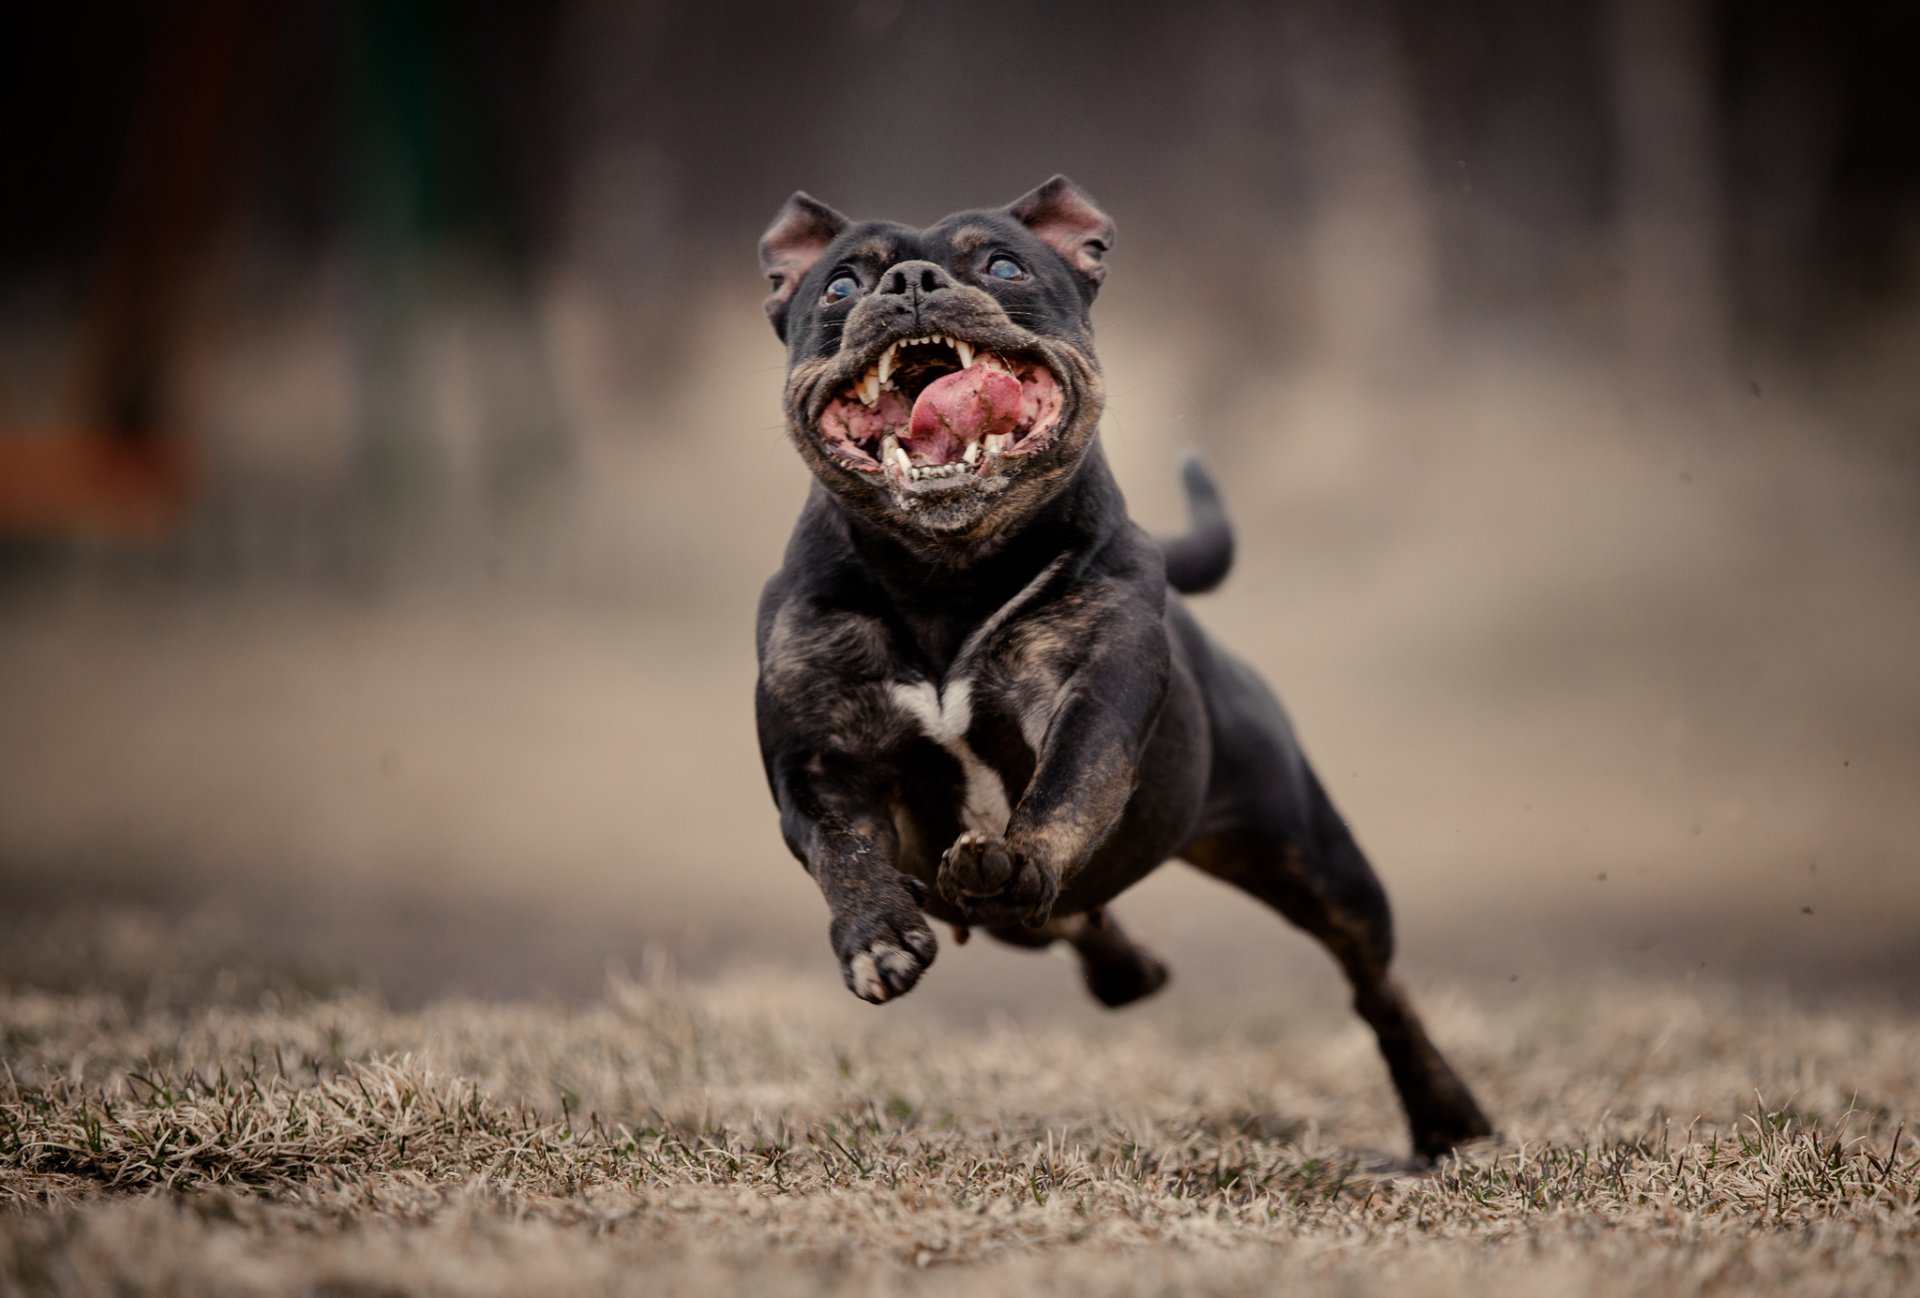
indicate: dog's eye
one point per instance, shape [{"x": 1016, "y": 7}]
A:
[
  {"x": 1006, "y": 268},
  {"x": 842, "y": 288}
]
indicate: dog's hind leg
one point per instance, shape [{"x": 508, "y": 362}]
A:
[
  {"x": 1313, "y": 872},
  {"x": 1117, "y": 970}
]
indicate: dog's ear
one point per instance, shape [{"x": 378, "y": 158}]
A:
[
  {"x": 1067, "y": 221},
  {"x": 789, "y": 248}
]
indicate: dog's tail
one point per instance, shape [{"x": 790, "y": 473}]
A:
[{"x": 1198, "y": 560}]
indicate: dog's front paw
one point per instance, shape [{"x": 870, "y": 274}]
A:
[
  {"x": 884, "y": 950},
  {"x": 994, "y": 883}
]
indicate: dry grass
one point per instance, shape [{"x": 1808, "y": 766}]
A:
[{"x": 764, "y": 1132}]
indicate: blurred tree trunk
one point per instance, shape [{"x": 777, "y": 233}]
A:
[
  {"x": 1253, "y": 314},
  {"x": 1370, "y": 242},
  {"x": 626, "y": 226},
  {"x": 1669, "y": 208},
  {"x": 1317, "y": 221},
  {"x": 1783, "y": 151},
  {"x": 459, "y": 417}
]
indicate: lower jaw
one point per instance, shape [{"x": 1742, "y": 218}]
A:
[
  {"x": 937, "y": 484},
  {"x": 989, "y": 473}
]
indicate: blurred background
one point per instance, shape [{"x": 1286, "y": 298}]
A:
[{"x": 390, "y": 457}]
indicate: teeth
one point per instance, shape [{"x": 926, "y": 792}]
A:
[
  {"x": 972, "y": 454},
  {"x": 869, "y": 388},
  {"x": 997, "y": 443},
  {"x": 894, "y": 457},
  {"x": 965, "y": 350},
  {"x": 886, "y": 362}
]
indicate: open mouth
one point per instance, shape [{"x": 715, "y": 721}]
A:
[{"x": 936, "y": 411}]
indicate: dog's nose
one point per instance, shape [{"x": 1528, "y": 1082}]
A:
[{"x": 914, "y": 280}]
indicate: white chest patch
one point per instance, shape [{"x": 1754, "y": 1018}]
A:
[{"x": 943, "y": 716}]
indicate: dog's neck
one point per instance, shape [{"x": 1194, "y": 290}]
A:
[{"x": 946, "y": 589}]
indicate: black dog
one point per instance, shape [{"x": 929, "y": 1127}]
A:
[{"x": 980, "y": 696}]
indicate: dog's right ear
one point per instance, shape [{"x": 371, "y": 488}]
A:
[{"x": 789, "y": 248}]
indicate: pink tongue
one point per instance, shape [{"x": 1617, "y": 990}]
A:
[{"x": 963, "y": 407}]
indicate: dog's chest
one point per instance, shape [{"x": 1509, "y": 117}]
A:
[
  {"x": 945, "y": 715},
  {"x": 991, "y": 732}
]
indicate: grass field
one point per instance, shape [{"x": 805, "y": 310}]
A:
[{"x": 233, "y": 1134}]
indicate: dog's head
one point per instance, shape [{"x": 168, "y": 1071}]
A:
[{"x": 941, "y": 382}]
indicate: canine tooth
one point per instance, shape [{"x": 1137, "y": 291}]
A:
[
  {"x": 965, "y": 350},
  {"x": 886, "y": 363},
  {"x": 997, "y": 443},
  {"x": 972, "y": 454},
  {"x": 899, "y": 457},
  {"x": 870, "y": 387}
]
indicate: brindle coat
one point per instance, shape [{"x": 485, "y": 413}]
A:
[{"x": 992, "y": 708}]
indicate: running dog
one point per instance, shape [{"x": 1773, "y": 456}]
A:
[{"x": 982, "y": 699}]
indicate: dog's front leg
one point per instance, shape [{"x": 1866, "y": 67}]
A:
[
  {"x": 1084, "y": 775},
  {"x": 835, "y": 822}
]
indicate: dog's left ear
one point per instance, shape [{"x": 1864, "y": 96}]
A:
[
  {"x": 789, "y": 248},
  {"x": 1067, "y": 221}
]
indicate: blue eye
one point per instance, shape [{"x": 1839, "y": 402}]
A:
[
  {"x": 1006, "y": 268},
  {"x": 842, "y": 288}
]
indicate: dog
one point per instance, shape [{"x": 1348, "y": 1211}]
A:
[{"x": 981, "y": 697}]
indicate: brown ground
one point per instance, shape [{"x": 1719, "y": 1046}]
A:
[{"x": 758, "y": 1133}]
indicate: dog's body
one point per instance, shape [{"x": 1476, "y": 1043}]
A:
[{"x": 981, "y": 696}]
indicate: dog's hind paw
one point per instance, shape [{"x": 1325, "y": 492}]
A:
[{"x": 1117, "y": 982}]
